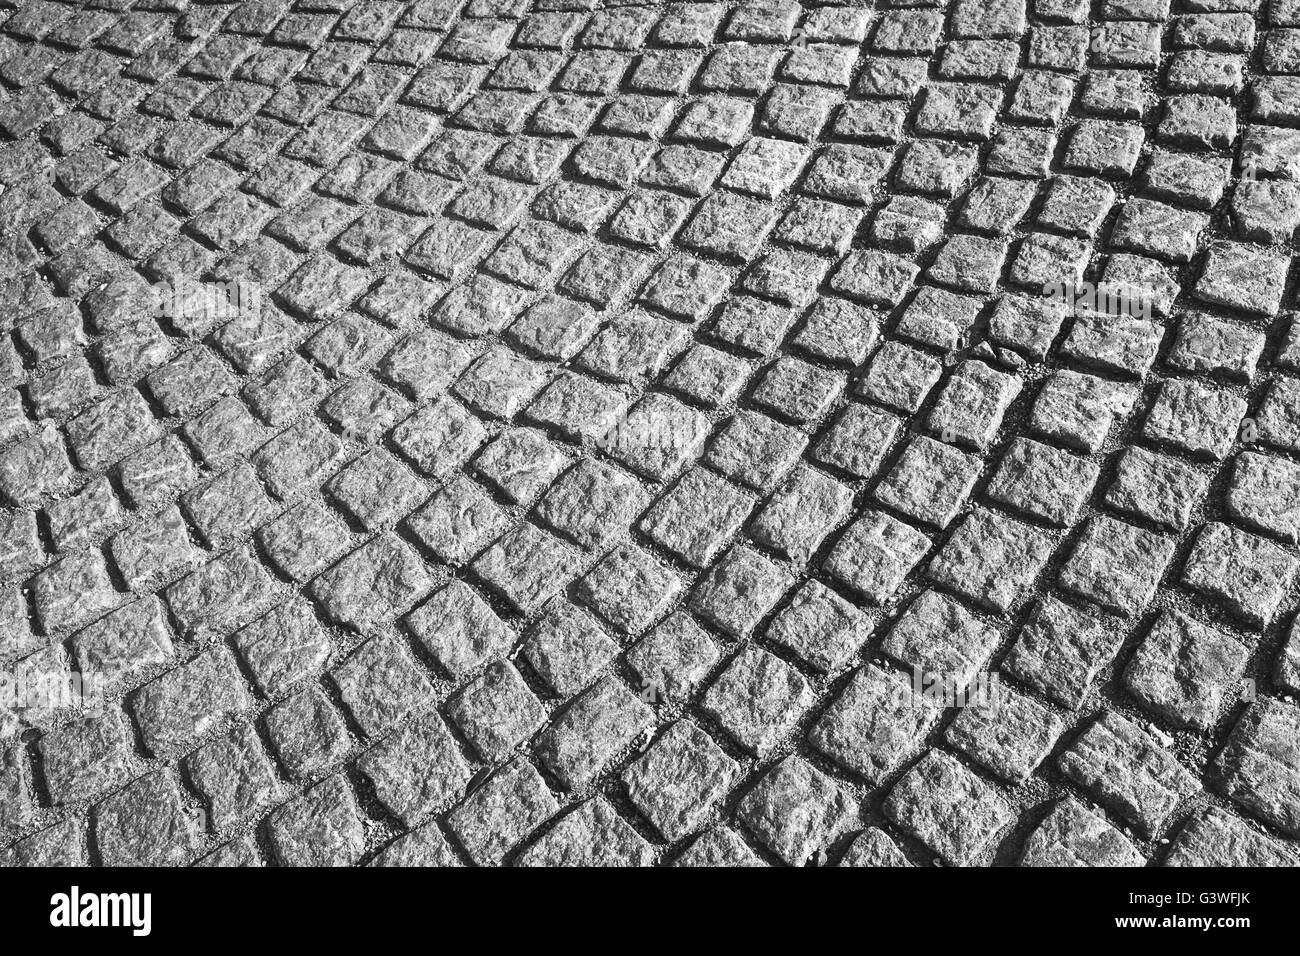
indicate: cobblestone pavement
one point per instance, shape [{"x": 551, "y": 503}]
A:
[{"x": 553, "y": 431}]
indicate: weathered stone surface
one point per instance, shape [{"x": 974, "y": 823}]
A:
[
  {"x": 1129, "y": 771},
  {"x": 796, "y": 810},
  {"x": 1260, "y": 766},
  {"x": 1073, "y": 835},
  {"x": 948, "y": 808},
  {"x": 581, "y": 373}
]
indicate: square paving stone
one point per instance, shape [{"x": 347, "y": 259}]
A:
[
  {"x": 1119, "y": 344},
  {"x": 1117, "y": 565},
  {"x": 525, "y": 567},
  {"x": 801, "y": 513},
  {"x": 672, "y": 660},
  {"x": 234, "y": 776},
  {"x": 124, "y": 644},
  {"x": 1249, "y": 574},
  {"x": 86, "y": 758},
  {"x": 875, "y": 554},
  {"x": 657, "y": 438},
  {"x": 679, "y": 781},
  {"x": 697, "y": 516},
  {"x": 520, "y": 463},
  {"x": 1061, "y": 650},
  {"x": 1128, "y": 771},
  {"x": 1074, "y": 835},
  {"x": 1260, "y": 767},
  {"x": 459, "y": 630},
  {"x": 1079, "y": 410},
  {"x": 508, "y": 806},
  {"x": 873, "y": 848},
  {"x": 582, "y": 740},
  {"x": 1043, "y": 482},
  {"x": 380, "y": 580},
  {"x": 796, "y": 810},
  {"x": 992, "y": 559},
  {"x": 147, "y": 823},
  {"x": 930, "y": 482},
  {"x": 1243, "y": 277},
  {"x": 380, "y": 684},
  {"x": 1199, "y": 419},
  {"x": 757, "y": 699},
  {"x": 416, "y": 770},
  {"x": 900, "y": 377},
  {"x": 858, "y": 441},
  {"x": 1264, "y": 494},
  {"x": 754, "y": 450},
  {"x": 1009, "y": 733},
  {"x": 496, "y": 711},
  {"x": 941, "y": 642},
  {"x": 567, "y": 649},
  {"x": 423, "y": 847},
  {"x": 1206, "y": 344},
  {"x": 284, "y": 647},
  {"x": 322, "y": 827},
  {"x": 1277, "y": 422},
  {"x": 1217, "y": 838},
  {"x": 188, "y": 702},
  {"x": 820, "y": 627},
  {"x": 719, "y": 847},
  {"x": 1185, "y": 671},
  {"x": 740, "y": 590},
  {"x": 972, "y": 404},
  {"x": 1156, "y": 487},
  {"x": 594, "y": 835},
  {"x": 629, "y": 589},
  {"x": 592, "y": 504},
  {"x": 876, "y": 724},
  {"x": 952, "y": 811}
]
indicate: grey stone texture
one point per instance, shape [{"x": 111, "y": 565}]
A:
[{"x": 592, "y": 432}]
